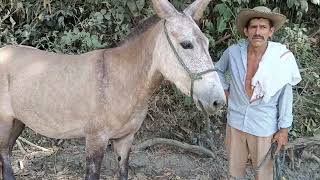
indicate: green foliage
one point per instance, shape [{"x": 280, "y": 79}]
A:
[
  {"x": 73, "y": 26},
  {"x": 307, "y": 93},
  {"x": 296, "y": 40},
  {"x": 225, "y": 15}
]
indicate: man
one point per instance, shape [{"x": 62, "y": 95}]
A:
[{"x": 259, "y": 92}]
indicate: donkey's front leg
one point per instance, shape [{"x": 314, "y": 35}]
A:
[
  {"x": 95, "y": 148},
  {"x": 122, "y": 148},
  {"x": 7, "y": 170}
]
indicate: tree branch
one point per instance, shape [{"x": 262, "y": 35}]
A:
[
  {"x": 222, "y": 39},
  {"x": 191, "y": 148}
]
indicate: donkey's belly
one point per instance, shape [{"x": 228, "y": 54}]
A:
[
  {"x": 53, "y": 113},
  {"x": 53, "y": 128},
  {"x": 55, "y": 100},
  {"x": 53, "y": 124}
]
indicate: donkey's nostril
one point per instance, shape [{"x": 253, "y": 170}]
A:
[{"x": 215, "y": 103}]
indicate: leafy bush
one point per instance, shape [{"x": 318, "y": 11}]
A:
[
  {"x": 74, "y": 24},
  {"x": 307, "y": 92}
]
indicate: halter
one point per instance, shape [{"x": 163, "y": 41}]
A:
[{"x": 193, "y": 76}]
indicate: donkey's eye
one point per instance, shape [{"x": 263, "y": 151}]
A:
[{"x": 186, "y": 45}]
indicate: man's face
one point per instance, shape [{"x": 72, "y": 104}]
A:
[{"x": 258, "y": 31}]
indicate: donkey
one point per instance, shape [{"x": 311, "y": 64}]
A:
[{"x": 103, "y": 95}]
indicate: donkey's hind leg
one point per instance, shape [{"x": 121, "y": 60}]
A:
[
  {"x": 122, "y": 148},
  {"x": 5, "y": 131}
]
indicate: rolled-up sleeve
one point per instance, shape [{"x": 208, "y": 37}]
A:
[
  {"x": 285, "y": 117},
  {"x": 221, "y": 67}
]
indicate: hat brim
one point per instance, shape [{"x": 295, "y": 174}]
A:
[{"x": 247, "y": 14}]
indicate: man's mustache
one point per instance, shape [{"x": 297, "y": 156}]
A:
[{"x": 258, "y": 37}]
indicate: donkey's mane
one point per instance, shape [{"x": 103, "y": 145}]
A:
[{"x": 140, "y": 29}]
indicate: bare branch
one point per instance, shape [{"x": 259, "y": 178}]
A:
[
  {"x": 20, "y": 147},
  {"x": 33, "y": 145},
  {"x": 191, "y": 148},
  {"x": 303, "y": 142}
]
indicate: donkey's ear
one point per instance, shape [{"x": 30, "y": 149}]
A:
[
  {"x": 164, "y": 8},
  {"x": 196, "y": 9}
]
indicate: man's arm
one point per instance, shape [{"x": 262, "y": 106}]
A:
[
  {"x": 285, "y": 117},
  {"x": 221, "y": 67}
]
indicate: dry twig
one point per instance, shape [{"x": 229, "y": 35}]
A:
[
  {"x": 20, "y": 147},
  {"x": 309, "y": 155},
  {"x": 39, "y": 154},
  {"x": 33, "y": 145},
  {"x": 304, "y": 142},
  {"x": 222, "y": 39},
  {"x": 315, "y": 33}
]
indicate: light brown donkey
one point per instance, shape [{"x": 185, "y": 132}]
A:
[{"x": 103, "y": 95}]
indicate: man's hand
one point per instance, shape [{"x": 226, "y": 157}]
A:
[{"x": 281, "y": 137}]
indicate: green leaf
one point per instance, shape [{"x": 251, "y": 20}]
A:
[
  {"x": 61, "y": 21},
  {"x": 263, "y": 1},
  {"x": 19, "y": 5},
  {"x": 293, "y": 133},
  {"x": 209, "y": 26},
  {"x": 304, "y": 5},
  {"x": 132, "y": 7},
  {"x": 290, "y": 3},
  {"x": 76, "y": 30},
  {"x": 13, "y": 22},
  {"x": 188, "y": 100},
  {"x": 95, "y": 41},
  {"x": 140, "y": 4},
  {"x": 107, "y": 16},
  {"x": 176, "y": 90},
  {"x": 99, "y": 16},
  {"x": 276, "y": 10},
  {"x": 220, "y": 8},
  {"x": 103, "y": 11},
  {"x": 221, "y": 25},
  {"x": 223, "y": 10},
  {"x": 41, "y": 17}
]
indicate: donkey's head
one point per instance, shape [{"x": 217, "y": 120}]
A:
[{"x": 183, "y": 57}]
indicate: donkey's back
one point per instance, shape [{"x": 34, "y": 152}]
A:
[{"x": 53, "y": 94}]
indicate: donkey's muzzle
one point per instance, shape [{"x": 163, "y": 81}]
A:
[
  {"x": 210, "y": 107},
  {"x": 216, "y": 105}
]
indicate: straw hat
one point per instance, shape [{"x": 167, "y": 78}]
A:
[{"x": 259, "y": 12}]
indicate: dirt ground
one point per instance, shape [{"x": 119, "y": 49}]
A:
[{"x": 160, "y": 162}]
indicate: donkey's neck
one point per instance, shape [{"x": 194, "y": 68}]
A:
[
  {"x": 131, "y": 67},
  {"x": 144, "y": 46}
]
